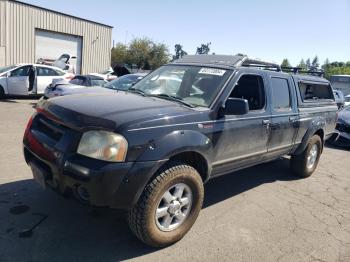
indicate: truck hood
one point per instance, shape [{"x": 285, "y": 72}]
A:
[
  {"x": 73, "y": 90},
  {"x": 110, "y": 110}
]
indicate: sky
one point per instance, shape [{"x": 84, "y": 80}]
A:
[{"x": 265, "y": 29}]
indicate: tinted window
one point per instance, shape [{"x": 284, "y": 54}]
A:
[
  {"x": 6, "y": 68},
  {"x": 96, "y": 82},
  {"x": 314, "y": 91},
  {"x": 123, "y": 82},
  {"x": 280, "y": 93},
  {"x": 59, "y": 73},
  {"x": 22, "y": 71},
  {"x": 251, "y": 88},
  {"x": 44, "y": 71},
  {"x": 78, "y": 80}
]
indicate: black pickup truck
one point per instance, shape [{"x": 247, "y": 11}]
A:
[{"x": 150, "y": 149}]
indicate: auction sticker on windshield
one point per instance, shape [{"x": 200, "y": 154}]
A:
[{"x": 212, "y": 71}]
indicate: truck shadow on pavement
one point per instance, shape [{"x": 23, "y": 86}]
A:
[{"x": 39, "y": 225}]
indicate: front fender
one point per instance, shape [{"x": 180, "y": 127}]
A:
[
  {"x": 3, "y": 84},
  {"x": 177, "y": 142}
]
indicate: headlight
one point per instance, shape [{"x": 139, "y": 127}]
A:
[{"x": 103, "y": 145}]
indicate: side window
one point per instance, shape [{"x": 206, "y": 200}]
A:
[
  {"x": 22, "y": 71},
  {"x": 311, "y": 91},
  {"x": 41, "y": 71},
  {"x": 51, "y": 72},
  {"x": 77, "y": 81},
  {"x": 59, "y": 73},
  {"x": 280, "y": 93},
  {"x": 251, "y": 88},
  {"x": 44, "y": 71}
]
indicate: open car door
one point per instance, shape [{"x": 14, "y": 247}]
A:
[{"x": 18, "y": 81}]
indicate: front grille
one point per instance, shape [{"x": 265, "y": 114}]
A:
[
  {"x": 343, "y": 128},
  {"x": 49, "y": 128}
]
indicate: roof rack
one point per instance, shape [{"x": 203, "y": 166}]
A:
[
  {"x": 261, "y": 64},
  {"x": 298, "y": 70}
]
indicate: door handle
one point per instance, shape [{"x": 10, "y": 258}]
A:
[
  {"x": 293, "y": 119},
  {"x": 266, "y": 122}
]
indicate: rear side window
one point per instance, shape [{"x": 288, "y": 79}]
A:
[
  {"x": 314, "y": 91},
  {"x": 59, "y": 73},
  {"x": 44, "y": 71},
  {"x": 77, "y": 81},
  {"x": 280, "y": 93},
  {"x": 251, "y": 88}
]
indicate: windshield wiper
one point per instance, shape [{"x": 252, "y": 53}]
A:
[
  {"x": 174, "y": 98},
  {"x": 135, "y": 90}
]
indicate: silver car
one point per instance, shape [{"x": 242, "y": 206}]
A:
[{"x": 28, "y": 79}]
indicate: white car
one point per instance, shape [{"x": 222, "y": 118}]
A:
[
  {"x": 28, "y": 79},
  {"x": 347, "y": 101}
]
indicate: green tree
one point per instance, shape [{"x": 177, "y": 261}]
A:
[
  {"x": 179, "y": 52},
  {"x": 285, "y": 63},
  {"x": 204, "y": 49},
  {"x": 302, "y": 65},
  {"x": 158, "y": 55},
  {"x": 142, "y": 53},
  {"x": 119, "y": 54},
  {"x": 138, "y": 52},
  {"x": 315, "y": 64},
  {"x": 326, "y": 64},
  {"x": 308, "y": 64}
]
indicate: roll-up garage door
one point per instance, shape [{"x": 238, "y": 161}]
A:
[{"x": 49, "y": 46}]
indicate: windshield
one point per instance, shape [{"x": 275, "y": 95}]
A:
[
  {"x": 123, "y": 82},
  {"x": 6, "y": 68},
  {"x": 97, "y": 82},
  {"x": 347, "y": 99},
  {"x": 195, "y": 85}
]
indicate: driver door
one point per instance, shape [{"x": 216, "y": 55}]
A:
[{"x": 18, "y": 81}]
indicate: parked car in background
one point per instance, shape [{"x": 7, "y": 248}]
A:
[
  {"x": 342, "y": 135},
  {"x": 125, "y": 82},
  {"x": 28, "y": 79},
  {"x": 150, "y": 152},
  {"x": 63, "y": 88},
  {"x": 106, "y": 74},
  {"x": 339, "y": 98},
  {"x": 347, "y": 100},
  {"x": 88, "y": 80}
]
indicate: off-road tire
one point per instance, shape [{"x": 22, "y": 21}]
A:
[
  {"x": 141, "y": 217},
  {"x": 298, "y": 163}
]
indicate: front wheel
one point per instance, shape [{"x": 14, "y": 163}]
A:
[
  {"x": 2, "y": 93},
  {"x": 169, "y": 206},
  {"x": 305, "y": 163}
]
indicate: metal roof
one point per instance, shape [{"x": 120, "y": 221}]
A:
[{"x": 53, "y": 11}]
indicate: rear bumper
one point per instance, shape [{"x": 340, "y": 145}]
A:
[{"x": 115, "y": 185}]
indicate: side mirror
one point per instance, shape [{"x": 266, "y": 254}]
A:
[
  {"x": 8, "y": 74},
  {"x": 236, "y": 106}
]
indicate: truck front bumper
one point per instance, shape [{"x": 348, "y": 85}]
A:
[{"x": 95, "y": 182}]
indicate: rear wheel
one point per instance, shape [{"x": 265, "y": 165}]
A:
[
  {"x": 305, "y": 163},
  {"x": 169, "y": 206}
]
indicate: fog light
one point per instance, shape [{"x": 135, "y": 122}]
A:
[{"x": 83, "y": 194}]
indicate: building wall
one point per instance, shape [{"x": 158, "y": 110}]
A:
[{"x": 18, "y": 22}]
